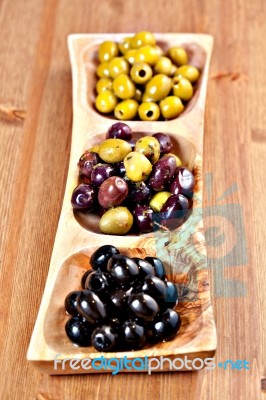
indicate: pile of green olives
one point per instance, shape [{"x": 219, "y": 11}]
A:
[
  {"x": 136, "y": 79},
  {"x": 134, "y": 184}
]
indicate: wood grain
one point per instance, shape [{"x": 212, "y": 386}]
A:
[{"x": 35, "y": 78}]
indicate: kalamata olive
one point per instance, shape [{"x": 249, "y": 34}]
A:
[
  {"x": 143, "y": 218},
  {"x": 150, "y": 147},
  {"x": 174, "y": 211},
  {"x": 138, "y": 167},
  {"x": 120, "y": 169},
  {"x": 86, "y": 162},
  {"x": 143, "y": 306},
  {"x": 90, "y": 306},
  {"x": 101, "y": 256},
  {"x": 183, "y": 182},
  {"x": 165, "y": 142},
  {"x": 123, "y": 269},
  {"x": 116, "y": 221},
  {"x": 79, "y": 331},
  {"x": 112, "y": 192},
  {"x": 119, "y": 131},
  {"x": 114, "y": 150},
  {"x": 101, "y": 172},
  {"x": 162, "y": 172},
  {"x": 138, "y": 193},
  {"x": 83, "y": 197}
]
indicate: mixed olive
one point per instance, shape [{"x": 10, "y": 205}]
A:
[
  {"x": 137, "y": 79},
  {"x": 134, "y": 184},
  {"x": 123, "y": 304}
]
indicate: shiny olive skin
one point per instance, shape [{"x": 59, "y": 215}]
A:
[
  {"x": 173, "y": 212},
  {"x": 86, "y": 163},
  {"x": 126, "y": 110},
  {"x": 141, "y": 39},
  {"x": 83, "y": 197},
  {"x": 162, "y": 172},
  {"x": 104, "y": 338},
  {"x": 79, "y": 331},
  {"x": 143, "y": 218},
  {"x": 171, "y": 107},
  {"x": 112, "y": 192},
  {"x": 130, "y": 56},
  {"x": 84, "y": 278},
  {"x": 143, "y": 306},
  {"x": 138, "y": 193},
  {"x": 158, "y": 87},
  {"x": 178, "y": 55},
  {"x": 171, "y": 295},
  {"x": 91, "y": 307},
  {"x": 117, "y": 66},
  {"x": 99, "y": 282},
  {"x": 103, "y": 84},
  {"x": 189, "y": 72},
  {"x": 71, "y": 302},
  {"x": 164, "y": 66},
  {"x": 138, "y": 167},
  {"x": 103, "y": 70},
  {"x": 116, "y": 221},
  {"x": 133, "y": 335},
  {"x": 158, "y": 200},
  {"x": 145, "y": 268},
  {"x": 141, "y": 73},
  {"x": 125, "y": 45},
  {"x": 166, "y": 326},
  {"x": 182, "y": 88},
  {"x": 165, "y": 142},
  {"x": 106, "y": 101},
  {"x": 155, "y": 287},
  {"x": 183, "y": 183},
  {"x": 123, "y": 87},
  {"x": 150, "y": 147},
  {"x": 123, "y": 269},
  {"x": 177, "y": 159},
  {"x": 147, "y": 54},
  {"x": 101, "y": 172},
  {"x": 149, "y": 111},
  {"x": 107, "y": 51},
  {"x": 114, "y": 150},
  {"x": 99, "y": 259},
  {"x": 119, "y": 130},
  {"x": 158, "y": 266}
]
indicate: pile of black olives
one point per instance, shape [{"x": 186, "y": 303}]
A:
[
  {"x": 132, "y": 184},
  {"x": 125, "y": 303},
  {"x": 137, "y": 79}
]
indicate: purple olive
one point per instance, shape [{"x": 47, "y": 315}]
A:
[
  {"x": 119, "y": 131},
  {"x": 143, "y": 218},
  {"x": 162, "y": 172},
  {"x": 83, "y": 197},
  {"x": 86, "y": 162},
  {"x": 183, "y": 182},
  {"x": 173, "y": 212},
  {"x": 100, "y": 173},
  {"x": 112, "y": 192},
  {"x": 165, "y": 142}
]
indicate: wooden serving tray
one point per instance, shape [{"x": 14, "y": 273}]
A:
[{"x": 183, "y": 251}]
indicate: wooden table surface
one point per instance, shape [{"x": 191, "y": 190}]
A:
[{"x": 35, "y": 134}]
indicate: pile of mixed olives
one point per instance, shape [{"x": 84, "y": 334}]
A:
[
  {"x": 138, "y": 80},
  {"x": 134, "y": 184},
  {"x": 124, "y": 304}
]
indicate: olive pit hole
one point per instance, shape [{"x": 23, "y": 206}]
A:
[
  {"x": 149, "y": 114},
  {"x": 142, "y": 73}
]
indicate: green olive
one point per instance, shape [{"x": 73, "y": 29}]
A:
[
  {"x": 138, "y": 95},
  {"x": 103, "y": 84},
  {"x": 177, "y": 159},
  {"x": 126, "y": 110},
  {"x": 178, "y": 55},
  {"x": 189, "y": 72},
  {"x": 117, "y": 66},
  {"x": 106, "y": 101},
  {"x": 114, "y": 150},
  {"x": 149, "y": 111},
  {"x": 107, "y": 51},
  {"x": 116, "y": 221},
  {"x": 141, "y": 73},
  {"x": 150, "y": 147},
  {"x": 182, "y": 88},
  {"x": 157, "y": 201},
  {"x": 158, "y": 87},
  {"x": 130, "y": 56},
  {"x": 137, "y": 166},
  {"x": 125, "y": 45},
  {"x": 141, "y": 39},
  {"x": 164, "y": 66},
  {"x": 95, "y": 148},
  {"x": 103, "y": 70},
  {"x": 147, "y": 54},
  {"x": 159, "y": 51},
  {"x": 123, "y": 87},
  {"x": 171, "y": 107}
]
